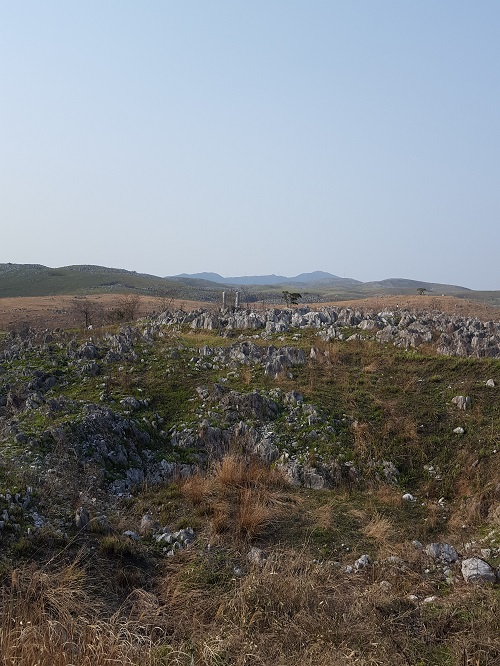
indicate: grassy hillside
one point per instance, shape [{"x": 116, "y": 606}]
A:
[
  {"x": 17, "y": 280},
  {"x": 223, "y": 560},
  {"x": 35, "y": 280}
]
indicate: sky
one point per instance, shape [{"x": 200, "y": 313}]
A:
[{"x": 250, "y": 137}]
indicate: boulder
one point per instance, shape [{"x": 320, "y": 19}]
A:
[
  {"x": 130, "y": 403},
  {"x": 442, "y": 551},
  {"x": 312, "y": 478},
  {"x": 462, "y": 401},
  {"x": 362, "y": 562},
  {"x": 266, "y": 450},
  {"x": 476, "y": 570},
  {"x": 186, "y": 536},
  {"x": 88, "y": 351}
]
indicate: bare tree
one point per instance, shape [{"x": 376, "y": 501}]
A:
[
  {"x": 165, "y": 301},
  {"x": 85, "y": 311},
  {"x": 126, "y": 309}
]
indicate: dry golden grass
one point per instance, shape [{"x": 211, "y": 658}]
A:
[
  {"x": 246, "y": 375},
  {"x": 494, "y": 515},
  {"x": 293, "y": 611},
  {"x": 255, "y": 513},
  {"x": 372, "y": 367},
  {"x": 235, "y": 471},
  {"x": 241, "y": 497},
  {"x": 396, "y": 422},
  {"x": 380, "y": 529},
  {"x": 362, "y": 438},
  {"x": 477, "y": 493},
  {"x": 38, "y": 593},
  {"x": 196, "y": 488},
  {"x": 387, "y": 495},
  {"x": 382, "y": 532},
  {"x": 47, "y": 618},
  {"x": 323, "y": 516},
  {"x": 359, "y": 514}
]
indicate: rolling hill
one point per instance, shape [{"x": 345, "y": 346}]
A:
[{"x": 34, "y": 280}]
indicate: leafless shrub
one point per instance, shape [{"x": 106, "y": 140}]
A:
[
  {"x": 125, "y": 309},
  {"x": 86, "y": 312}
]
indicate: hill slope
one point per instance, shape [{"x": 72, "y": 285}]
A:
[
  {"x": 305, "y": 488},
  {"x": 37, "y": 280},
  {"x": 304, "y": 492}
]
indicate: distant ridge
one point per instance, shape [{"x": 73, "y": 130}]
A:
[
  {"x": 316, "y": 277},
  {"x": 323, "y": 280},
  {"x": 403, "y": 283},
  {"x": 317, "y": 286}
]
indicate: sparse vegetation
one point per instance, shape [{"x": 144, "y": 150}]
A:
[{"x": 161, "y": 573}]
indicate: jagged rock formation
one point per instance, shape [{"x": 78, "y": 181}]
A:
[{"x": 451, "y": 335}]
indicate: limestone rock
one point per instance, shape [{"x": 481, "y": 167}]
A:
[
  {"x": 185, "y": 536},
  {"x": 130, "y": 403},
  {"x": 362, "y": 562},
  {"x": 462, "y": 401},
  {"x": 88, "y": 351},
  {"x": 91, "y": 369},
  {"x": 442, "y": 551},
  {"x": 266, "y": 450},
  {"x": 257, "y": 556},
  {"x": 131, "y": 535},
  {"x": 476, "y": 570},
  {"x": 312, "y": 479}
]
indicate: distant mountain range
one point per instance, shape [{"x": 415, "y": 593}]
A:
[
  {"x": 320, "y": 279},
  {"x": 304, "y": 278},
  {"x": 317, "y": 286}
]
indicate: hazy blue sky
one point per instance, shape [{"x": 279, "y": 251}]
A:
[{"x": 360, "y": 137}]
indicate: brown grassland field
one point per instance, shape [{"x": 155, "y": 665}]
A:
[{"x": 62, "y": 311}]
